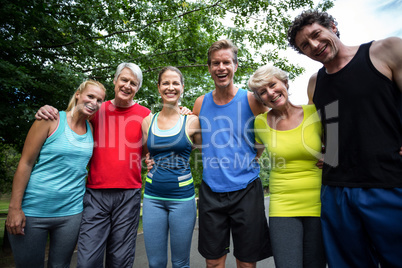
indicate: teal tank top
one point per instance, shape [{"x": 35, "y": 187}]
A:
[
  {"x": 228, "y": 152},
  {"x": 57, "y": 183},
  {"x": 170, "y": 178}
]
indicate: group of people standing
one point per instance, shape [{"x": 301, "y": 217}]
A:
[{"x": 346, "y": 214}]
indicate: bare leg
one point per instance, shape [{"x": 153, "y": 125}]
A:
[
  {"x": 217, "y": 263},
  {"x": 241, "y": 264}
]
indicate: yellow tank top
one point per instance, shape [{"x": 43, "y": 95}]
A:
[{"x": 295, "y": 180}]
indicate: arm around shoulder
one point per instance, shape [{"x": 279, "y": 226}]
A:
[
  {"x": 198, "y": 104},
  {"x": 47, "y": 112},
  {"x": 311, "y": 88},
  {"x": 255, "y": 105},
  {"x": 144, "y": 127},
  {"x": 193, "y": 129}
]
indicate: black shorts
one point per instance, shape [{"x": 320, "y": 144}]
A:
[{"x": 241, "y": 212}]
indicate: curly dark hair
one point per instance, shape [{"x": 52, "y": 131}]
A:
[{"x": 309, "y": 17}]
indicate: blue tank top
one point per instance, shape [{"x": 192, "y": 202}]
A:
[
  {"x": 170, "y": 178},
  {"x": 57, "y": 183},
  {"x": 228, "y": 151}
]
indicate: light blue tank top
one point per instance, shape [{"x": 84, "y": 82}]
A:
[
  {"x": 170, "y": 178},
  {"x": 228, "y": 143},
  {"x": 57, "y": 183}
]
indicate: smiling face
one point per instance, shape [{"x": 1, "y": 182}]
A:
[
  {"x": 170, "y": 87},
  {"x": 274, "y": 94},
  {"x": 222, "y": 68},
  {"x": 90, "y": 99},
  {"x": 125, "y": 86},
  {"x": 318, "y": 43}
]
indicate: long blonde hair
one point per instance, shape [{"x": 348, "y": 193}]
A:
[{"x": 80, "y": 89}]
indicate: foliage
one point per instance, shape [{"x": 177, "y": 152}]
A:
[
  {"x": 196, "y": 168},
  {"x": 265, "y": 167},
  {"x": 9, "y": 158},
  {"x": 47, "y": 47}
]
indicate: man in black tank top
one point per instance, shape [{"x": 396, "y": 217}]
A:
[{"x": 358, "y": 94}]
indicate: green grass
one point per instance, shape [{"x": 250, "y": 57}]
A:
[{"x": 4, "y": 202}]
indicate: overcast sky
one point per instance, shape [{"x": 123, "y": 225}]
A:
[{"x": 359, "y": 21}]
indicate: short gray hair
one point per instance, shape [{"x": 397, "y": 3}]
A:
[
  {"x": 133, "y": 67},
  {"x": 263, "y": 76}
]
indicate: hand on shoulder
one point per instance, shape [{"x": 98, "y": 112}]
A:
[
  {"x": 47, "y": 112},
  {"x": 185, "y": 111}
]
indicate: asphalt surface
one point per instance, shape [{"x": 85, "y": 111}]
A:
[{"x": 196, "y": 260}]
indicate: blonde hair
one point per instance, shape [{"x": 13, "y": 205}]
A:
[
  {"x": 80, "y": 89},
  {"x": 263, "y": 76}
]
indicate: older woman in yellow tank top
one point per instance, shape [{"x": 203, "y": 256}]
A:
[{"x": 291, "y": 134}]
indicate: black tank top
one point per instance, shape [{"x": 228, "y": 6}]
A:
[{"x": 362, "y": 120}]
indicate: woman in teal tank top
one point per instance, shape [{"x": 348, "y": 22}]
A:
[
  {"x": 291, "y": 134},
  {"x": 169, "y": 201},
  {"x": 49, "y": 183}
]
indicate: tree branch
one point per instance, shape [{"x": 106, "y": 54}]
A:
[
  {"x": 136, "y": 59},
  {"x": 131, "y": 30},
  {"x": 240, "y": 14},
  {"x": 178, "y": 67}
]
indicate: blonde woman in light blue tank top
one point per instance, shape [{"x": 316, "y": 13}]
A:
[{"x": 49, "y": 183}]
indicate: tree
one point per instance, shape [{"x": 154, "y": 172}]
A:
[
  {"x": 47, "y": 47},
  {"x": 265, "y": 168},
  {"x": 9, "y": 158}
]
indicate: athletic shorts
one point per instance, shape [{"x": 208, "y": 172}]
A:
[
  {"x": 241, "y": 212},
  {"x": 362, "y": 226}
]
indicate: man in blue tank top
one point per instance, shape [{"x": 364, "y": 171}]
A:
[
  {"x": 358, "y": 92},
  {"x": 231, "y": 196}
]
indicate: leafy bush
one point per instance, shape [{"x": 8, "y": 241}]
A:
[{"x": 9, "y": 158}]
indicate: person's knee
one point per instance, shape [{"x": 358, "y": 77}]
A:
[
  {"x": 87, "y": 263},
  {"x": 241, "y": 264},
  {"x": 86, "y": 259},
  {"x": 216, "y": 263},
  {"x": 183, "y": 263},
  {"x": 157, "y": 262}
]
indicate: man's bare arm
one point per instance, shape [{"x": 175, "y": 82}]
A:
[
  {"x": 256, "y": 106},
  {"x": 386, "y": 55},
  {"x": 311, "y": 88},
  {"x": 197, "y": 105}
]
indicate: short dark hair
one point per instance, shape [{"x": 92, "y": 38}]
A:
[{"x": 309, "y": 17}]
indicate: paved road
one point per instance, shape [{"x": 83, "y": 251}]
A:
[{"x": 196, "y": 260}]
